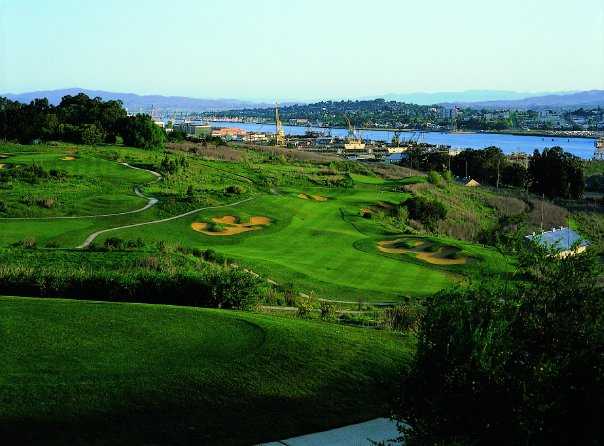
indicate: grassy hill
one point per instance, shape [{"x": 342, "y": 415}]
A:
[
  {"x": 317, "y": 228},
  {"x": 82, "y": 372}
]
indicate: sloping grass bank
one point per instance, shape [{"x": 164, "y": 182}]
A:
[{"x": 79, "y": 372}]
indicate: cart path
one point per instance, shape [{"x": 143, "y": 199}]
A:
[
  {"x": 150, "y": 203},
  {"x": 380, "y": 430},
  {"x": 93, "y": 236}
]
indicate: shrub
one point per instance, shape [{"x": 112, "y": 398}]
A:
[
  {"x": 162, "y": 246},
  {"x": 511, "y": 362},
  {"x": 3, "y": 207},
  {"x": 156, "y": 282},
  {"x": 434, "y": 177},
  {"x": 234, "y": 190},
  {"x": 304, "y": 306},
  {"x": 402, "y": 318},
  {"x": 47, "y": 203},
  {"x": 290, "y": 294},
  {"x": 27, "y": 243},
  {"x": 215, "y": 227},
  {"x": 328, "y": 310},
  {"x": 151, "y": 262},
  {"x": 428, "y": 212},
  {"x": 114, "y": 243},
  {"x": 135, "y": 244}
]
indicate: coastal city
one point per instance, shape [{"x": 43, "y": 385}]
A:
[{"x": 386, "y": 140}]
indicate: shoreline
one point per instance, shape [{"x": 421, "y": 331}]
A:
[{"x": 536, "y": 133}]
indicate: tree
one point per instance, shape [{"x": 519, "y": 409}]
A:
[
  {"x": 90, "y": 134},
  {"x": 511, "y": 362},
  {"x": 141, "y": 131},
  {"x": 556, "y": 173},
  {"x": 429, "y": 213}
]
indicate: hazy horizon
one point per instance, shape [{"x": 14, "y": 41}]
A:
[{"x": 308, "y": 51}]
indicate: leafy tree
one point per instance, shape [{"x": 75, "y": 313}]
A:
[
  {"x": 556, "y": 173},
  {"x": 141, "y": 131},
  {"x": 517, "y": 363},
  {"x": 90, "y": 134}
]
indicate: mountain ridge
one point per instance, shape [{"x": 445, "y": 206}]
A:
[{"x": 133, "y": 102}]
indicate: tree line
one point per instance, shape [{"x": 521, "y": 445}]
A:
[
  {"x": 78, "y": 119},
  {"x": 552, "y": 172}
]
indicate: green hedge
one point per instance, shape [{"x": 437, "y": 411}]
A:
[{"x": 215, "y": 286}]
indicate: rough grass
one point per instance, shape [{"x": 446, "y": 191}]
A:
[
  {"x": 98, "y": 373},
  {"x": 209, "y": 151}
]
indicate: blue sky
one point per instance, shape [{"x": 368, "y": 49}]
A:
[{"x": 301, "y": 49}]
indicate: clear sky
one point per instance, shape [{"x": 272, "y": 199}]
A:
[{"x": 301, "y": 49}]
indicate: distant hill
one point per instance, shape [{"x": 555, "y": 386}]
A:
[
  {"x": 592, "y": 98},
  {"x": 134, "y": 102},
  {"x": 422, "y": 98}
]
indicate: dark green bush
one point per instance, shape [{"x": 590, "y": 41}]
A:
[
  {"x": 114, "y": 243},
  {"x": 327, "y": 309},
  {"x": 518, "y": 363},
  {"x": 428, "y": 212},
  {"x": 152, "y": 282},
  {"x": 234, "y": 190},
  {"x": 402, "y": 318}
]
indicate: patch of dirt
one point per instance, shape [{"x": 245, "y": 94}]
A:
[
  {"x": 440, "y": 257},
  {"x": 69, "y": 158},
  {"x": 312, "y": 197},
  {"x": 230, "y": 225}
]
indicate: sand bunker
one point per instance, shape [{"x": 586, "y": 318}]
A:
[
  {"x": 312, "y": 197},
  {"x": 226, "y": 220},
  {"x": 231, "y": 227},
  {"x": 69, "y": 158},
  {"x": 440, "y": 257}
]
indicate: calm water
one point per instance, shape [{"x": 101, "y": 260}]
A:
[{"x": 582, "y": 147}]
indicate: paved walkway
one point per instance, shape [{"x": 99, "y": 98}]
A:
[{"x": 381, "y": 430}]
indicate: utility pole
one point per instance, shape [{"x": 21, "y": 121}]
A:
[
  {"x": 466, "y": 169},
  {"x": 542, "y": 210}
]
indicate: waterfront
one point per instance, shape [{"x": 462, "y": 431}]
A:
[{"x": 581, "y": 147}]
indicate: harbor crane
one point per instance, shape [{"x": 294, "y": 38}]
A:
[
  {"x": 279, "y": 131},
  {"x": 353, "y": 142}
]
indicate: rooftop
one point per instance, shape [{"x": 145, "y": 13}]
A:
[{"x": 562, "y": 239}]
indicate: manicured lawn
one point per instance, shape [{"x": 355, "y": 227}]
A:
[
  {"x": 311, "y": 244},
  {"x": 321, "y": 246},
  {"x": 92, "y": 186},
  {"x": 77, "y": 372}
]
